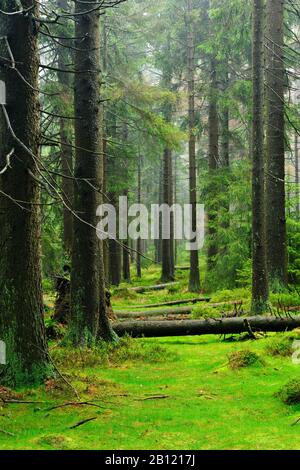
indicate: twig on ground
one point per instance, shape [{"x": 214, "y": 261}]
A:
[{"x": 80, "y": 423}]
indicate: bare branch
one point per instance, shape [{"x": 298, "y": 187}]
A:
[{"x": 8, "y": 157}]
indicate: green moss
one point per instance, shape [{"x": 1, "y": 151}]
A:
[
  {"x": 205, "y": 311},
  {"x": 186, "y": 418},
  {"x": 243, "y": 358},
  {"x": 280, "y": 345},
  {"x": 290, "y": 393},
  {"x": 127, "y": 349},
  {"x": 19, "y": 371}
]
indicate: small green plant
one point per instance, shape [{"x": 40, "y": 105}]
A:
[
  {"x": 289, "y": 394},
  {"x": 243, "y": 358},
  {"x": 280, "y": 346},
  {"x": 225, "y": 295},
  {"x": 205, "y": 311},
  {"x": 124, "y": 293},
  {"x": 54, "y": 330},
  {"x": 174, "y": 288}
]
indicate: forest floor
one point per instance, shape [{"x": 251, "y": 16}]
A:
[{"x": 166, "y": 393}]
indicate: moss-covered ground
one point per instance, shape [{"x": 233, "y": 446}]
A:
[{"x": 167, "y": 393}]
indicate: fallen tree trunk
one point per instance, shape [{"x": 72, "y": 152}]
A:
[
  {"x": 166, "y": 318},
  {"x": 154, "y": 313},
  {"x": 141, "y": 289},
  {"x": 174, "y": 302},
  {"x": 168, "y": 311},
  {"x": 148, "y": 329},
  {"x": 182, "y": 268}
]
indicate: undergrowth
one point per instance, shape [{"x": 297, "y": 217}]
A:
[{"x": 105, "y": 354}]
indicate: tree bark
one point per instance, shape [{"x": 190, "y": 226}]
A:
[
  {"x": 21, "y": 303},
  {"x": 260, "y": 290},
  {"x": 115, "y": 254},
  {"x": 158, "y": 253},
  {"x": 167, "y": 250},
  {"x": 88, "y": 309},
  {"x": 214, "y": 326},
  {"x": 297, "y": 175},
  {"x": 66, "y": 130},
  {"x": 275, "y": 177},
  {"x": 213, "y": 164},
  {"x": 126, "y": 256},
  {"x": 139, "y": 241},
  {"x": 224, "y": 121},
  {"x": 194, "y": 277}
]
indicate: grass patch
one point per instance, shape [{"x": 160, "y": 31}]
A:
[
  {"x": 289, "y": 394},
  {"x": 208, "y": 406},
  {"x": 127, "y": 349},
  {"x": 280, "y": 345},
  {"x": 205, "y": 311},
  {"x": 243, "y": 358}
]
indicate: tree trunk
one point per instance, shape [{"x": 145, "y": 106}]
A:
[
  {"x": 260, "y": 292},
  {"x": 66, "y": 130},
  {"x": 158, "y": 256},
  {"x": 173, "y": 302},
  {"x": 104, "y": 58},
  {"x": 115, "y": 255},
  {"x": 21, "y": 303},
  {"x": 139, "y": 241},
  {"x": 87, "y": 292},
  {"x": 214, "y": 326},
  {"x": 194, "y": 277},
  {"x": 126, "y": 256},
  {"x": 297, "y": 175},
  {"x": 213, "y": 163},
  {"x": 126, "y": 263},
  {"x": 224, "y": 124},
  {"x": 224, "y": 121},
  {"x": 275, "y": 187},
  {"x": 167, "y": 251}
]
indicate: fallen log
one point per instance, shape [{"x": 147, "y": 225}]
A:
[
  {"x": 168, "y": 311},
  {"x": 182, "y": 268},
  {"x": 174, "y": 302},
  {"x": 216, "y": 326},
  {"x": 166, "y": 318},
  {"x": 141, "y": 289},
  {"x": 154, "y": 313}
]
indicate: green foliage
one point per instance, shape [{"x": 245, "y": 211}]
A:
[
  {"x": 232, "y": 224},
  {"x": 285, "y": 299},
  {"x": 244, "y": 275},
  {"x": 205, "y": 311},
  {"x": 225, "y": 295},
  {"x": 280, "y": 345},
  {"x": 108, "y": 354},
  {"x": 243, "y": 358},
  {"x": 54, "y": 330},
  {"x": 128, "y": 418},
  {"x": 293, "y": 228},
  {"x": 289, "y": 394}
]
